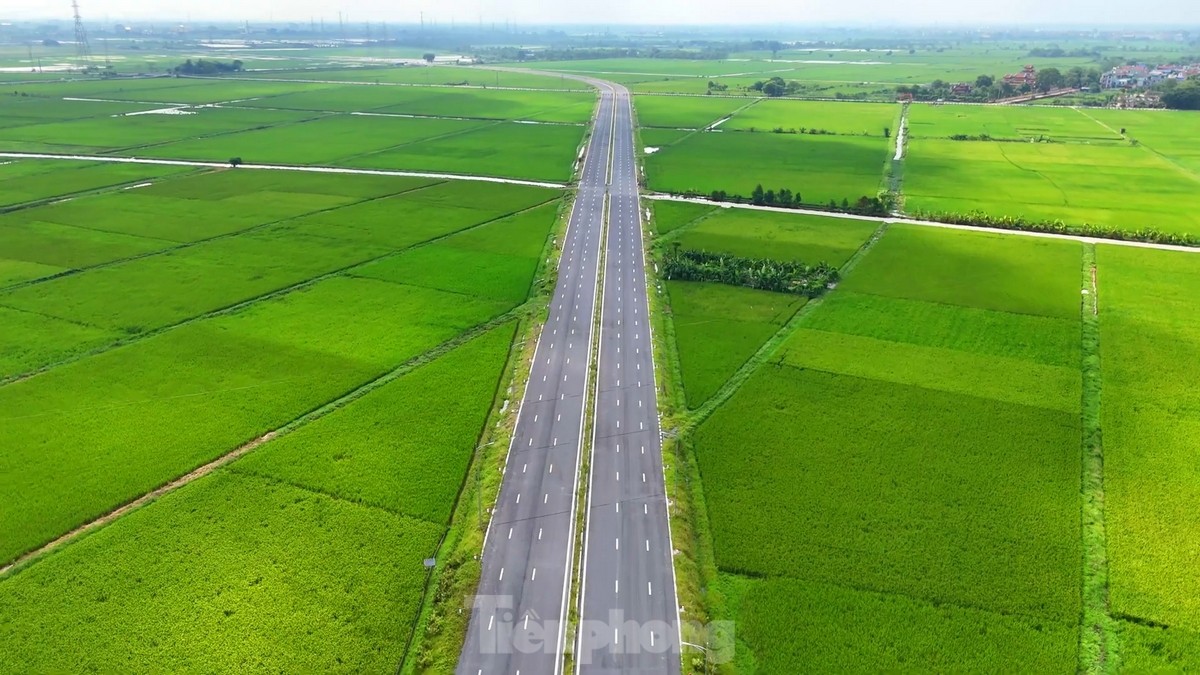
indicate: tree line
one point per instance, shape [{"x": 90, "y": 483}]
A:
[
  {"x": 206, "y": 67},
  {"x": 980, "y": 219},
  {"x": 879, "y": 205},
  {"x": 1182, "y": 95},
  {"x": 989, "y": 88},
  {"x": 760, "y": 273}
]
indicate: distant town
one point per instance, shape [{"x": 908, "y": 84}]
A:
[{"x": 1136, "y": 85}]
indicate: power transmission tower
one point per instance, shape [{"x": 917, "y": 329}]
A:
[{"x": 82, "y": 49}]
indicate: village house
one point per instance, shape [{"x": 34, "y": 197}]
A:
[{"x": 1140, "y": 76}]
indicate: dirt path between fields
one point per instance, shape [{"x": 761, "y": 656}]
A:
[
  {"x": 139, "y": 502},
  {"x": 923, "y": 223},
  {"x": 282, "y": 167}
]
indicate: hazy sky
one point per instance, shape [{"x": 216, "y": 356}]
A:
[{"x": 874, "y": 12}]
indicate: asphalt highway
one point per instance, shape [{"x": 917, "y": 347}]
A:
[
  {"x": 517, "y": 622},
  {"x": 628, "y": 606},
  {"x": 629, "y": 618}
]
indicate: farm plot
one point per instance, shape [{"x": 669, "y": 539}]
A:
[
  {"x": 155, "y": 212},
  {"x": 191, "y": 91},
  {"x": 853, "y": 119},
  {"x": 161, "y": 406},
  {"x": 139, "y": 133},
  {"x": 341, "y": 137},
  {"x": 289, "y": 579},
  {"x": 21, "y": 110},
  {"x": 670, "y": 216},
  {"x": 344, "y": 510},
  {"x": 656, "y": 67},
  {"x": 860, "y": 629},
  {"x": 719, "y": 327},
  {"x": 1086, "y": 174},
  {"x": 433, "y": 76},
  {"x": 30, "y": 237},
  {"x": 510, "y": 150},
  {"x": 440, "y": 101},
  {"x": 1007, "y": 122},
  {"x": 183, "y": 282},
  {"x": 422, "y": 215},
  {"x": 777, "y": 236},
  {"x": 1149, "y": 347},
  {"x": 1173, "y": 134},
  {"x": 28, "y": 180},
  {"x": 404, "y": 447},
  {"x": 924, "y": 423},
  {"x": 565, "y": 107},
  {"x": 820, "y": 168},
  {"x": 688, "y": 112},
  {"x": 496, "y": 260}
]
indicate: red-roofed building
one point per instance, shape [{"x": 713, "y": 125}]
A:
[{"x": 1028, "y": 75}]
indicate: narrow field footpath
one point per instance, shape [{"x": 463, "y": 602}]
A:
[
  {"x": 898, "y": 220},
  {"x": 1098, "y": 648},
  {"x": 391, "y": 84},
  {"x": 282, "y": 167}
]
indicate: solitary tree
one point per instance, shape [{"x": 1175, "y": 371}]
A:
[
  {"x": 775, "y": 87},
  {"x": 1050, "y": 78},
  {"x": 758, "y": 195},
  {"x": 429, "y": 57},
  {"x": 235, "y": 161},
  {"x": 1075, "y": 77}
]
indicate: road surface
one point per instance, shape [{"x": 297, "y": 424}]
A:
[
  {"x": 629, "y": 614},
  {"x": 517, "y": 621},
  {"x": 628, "y": 607}
]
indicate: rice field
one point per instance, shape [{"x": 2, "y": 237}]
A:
[
  {"x": 163, "y": 317},
  {"x": 847, "y": 119},
  {"x": 531, "y": 134},
  {"x": 777, "y": 236},
  {"x": 718, "y": 327},
  {"x": 1149, "y": 343},
  {"x": 916, "y": 460},
  {"x": 1080, "y": 170},
  {"x": 820, "y": 168},
  {"x": 824, "y": 151},
  {"x": 333, "y": 532}
]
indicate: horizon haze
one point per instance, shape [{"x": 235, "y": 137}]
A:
[{"x": 1098, "y": 13}]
